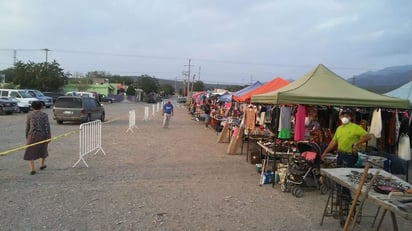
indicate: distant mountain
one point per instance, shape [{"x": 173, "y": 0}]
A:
[{"x": 383, "y": 80}]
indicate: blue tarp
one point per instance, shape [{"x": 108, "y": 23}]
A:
[
  {"x": 403, "y": 92},
  {"x": 247, "y": 89},
  {"x": 225, "y": 98}
]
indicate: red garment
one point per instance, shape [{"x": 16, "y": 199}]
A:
[{"x": 299, "y": 133}]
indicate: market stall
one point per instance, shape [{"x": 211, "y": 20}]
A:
[{"x": 272, "y": 85}]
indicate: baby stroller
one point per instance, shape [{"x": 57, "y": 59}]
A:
[{"x": 304, "y": 169}]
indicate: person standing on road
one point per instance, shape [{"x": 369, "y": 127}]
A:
[
  {"x": 37, "y": 130},
  {"x": 207, "y": 110},
  {"x": 167, "y": 113}
]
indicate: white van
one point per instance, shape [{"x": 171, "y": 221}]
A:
[
  {"x": 81, "y": 93},
  {"x": 20, "y": 95}
]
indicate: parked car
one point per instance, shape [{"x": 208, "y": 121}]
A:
[
  {"x": 45, "y": 100},
  {"x": 7, "y": 106},
  {"x": 181, "y": 99},
  {"x": 77, "y": 108},
  {"x": 104, "y": 98},
  {"x": 21, "y": 106},
  {"x": 20, "y": 95},
  {"x": 54, "y": 95},
  {"x": 83, "y": 93}
]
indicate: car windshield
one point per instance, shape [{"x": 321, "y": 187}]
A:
[
  {"x": 68, "y": 103},
  {"x": 38, "y": 93},
  {"x": 25, "y": 94}
]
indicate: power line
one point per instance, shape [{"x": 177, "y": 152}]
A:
[{"x": 235, "y": 62}]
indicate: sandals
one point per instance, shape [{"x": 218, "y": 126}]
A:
[{"x": 43, "y": 167}]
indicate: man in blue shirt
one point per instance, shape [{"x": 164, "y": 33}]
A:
[{"x": 167, "y": 113}]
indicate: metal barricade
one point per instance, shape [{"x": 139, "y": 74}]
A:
[
  {"x": 132, "y": 121},
  {"x": 90, "y": 139}
]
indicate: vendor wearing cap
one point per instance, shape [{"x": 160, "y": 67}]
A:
[{"x": 347, "y": 138}]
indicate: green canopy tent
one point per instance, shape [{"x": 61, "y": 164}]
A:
[{"x": 321, "y": 86}]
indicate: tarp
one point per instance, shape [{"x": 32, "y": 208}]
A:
[
  {"x": 272, "y": 85},
  {"x": 321, "y": 86},
  {"x": 247, "y": 89},
  {"x": 225, "y": 98},
  {"x": 403, "y": 92},
  {"x": 197, "y": 94}
]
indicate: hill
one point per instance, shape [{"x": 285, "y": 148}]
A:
[{"x": 384, "y": 80}]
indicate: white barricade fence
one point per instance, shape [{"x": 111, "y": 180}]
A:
[
  {"x": 153, "y": 110},
  {"x": 157, "y": 106},
  {"x": 132, "y": 121},
  {"x": 146, "y": 113},
  {"x": 90, "y": 140}
]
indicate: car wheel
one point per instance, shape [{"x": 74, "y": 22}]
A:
[
  {"x": 102, "y": 117},
  {"x": 18, "y": 110},
  {"x": 59, "y": 121},
  {"x": 26, "y": 111},
  {"x": 110, "y": 101},
  {"x": 88, "y": 119}
]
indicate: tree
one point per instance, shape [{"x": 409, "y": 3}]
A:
[
  {"x": 98, "y": 74},
  {"x": 148, "y": 84},
  {"x": 166, "y": 89},
  {"x": 131, "y": 91},
  {"x": 8, "y": 74},
  {"x": 198, "y": 86},
  {"x": 41, "y": 76}
]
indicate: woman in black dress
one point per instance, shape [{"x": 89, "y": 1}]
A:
[{"x": 37, "y": 130}]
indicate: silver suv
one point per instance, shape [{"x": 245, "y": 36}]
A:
[{"x": 77, "y": 108}]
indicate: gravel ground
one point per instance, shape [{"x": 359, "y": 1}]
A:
[{"x": 150, "y": 179}]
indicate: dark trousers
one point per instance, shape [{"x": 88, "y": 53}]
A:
[{"x": 346, "y": 160}]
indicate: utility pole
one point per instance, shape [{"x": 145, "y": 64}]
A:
[
  {"x": 47, "y": 52},
  {"x": 14, "y": 56},
  {"x": 175, "y": 84},
  {"x": 188, "y": 83},
  {"x": 193, "y": 83},
  {"x": 198, "y": 77}
]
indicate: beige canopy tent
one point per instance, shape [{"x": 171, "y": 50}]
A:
[{"x": 321, "y": 86}]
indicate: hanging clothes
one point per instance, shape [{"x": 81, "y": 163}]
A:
[
  {"x": 274, "y": 119},
  {"x": 250, "y": 117},
  {"x": 404, "y": 147},
  {"x": 299, "y": 132},
  {"x": 284, "y": 122},
  {"x": 376, "y": 123}
]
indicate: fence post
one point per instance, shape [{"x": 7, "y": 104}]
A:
[
  {"x": 90, "y": 139},
  {"x": 132, "y": 121},
  {"x": 146, "y": 113}
]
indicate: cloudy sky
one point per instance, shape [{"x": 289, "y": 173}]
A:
[{"x": 231, "y": 41}]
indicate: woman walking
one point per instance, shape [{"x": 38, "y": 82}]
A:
[{"x": 37, "y": 130}]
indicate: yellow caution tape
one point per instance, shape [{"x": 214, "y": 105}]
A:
[
  {"x": 44, "y": 141},
  {"x": 40, "y": 142}
]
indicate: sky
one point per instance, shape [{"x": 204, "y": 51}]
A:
[{"x": 228, "y": 42}]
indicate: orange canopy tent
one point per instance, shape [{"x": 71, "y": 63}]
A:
[{"x": 272, "y": 85}]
